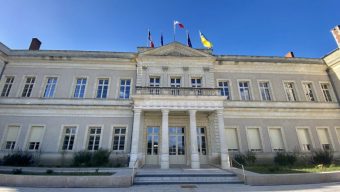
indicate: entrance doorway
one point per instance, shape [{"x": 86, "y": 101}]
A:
[
  {"x": 152, "y": 147},
  {"x": 202, "y": 145},
  {"x": 177, "y": 145}
]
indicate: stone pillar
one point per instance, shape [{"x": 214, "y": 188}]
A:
[
  {"x": 225, "y": 164},
  {"x": 195, "y": 158},
  {"x": 135, "y": 138},
  {"x": 165, "y": 139}
]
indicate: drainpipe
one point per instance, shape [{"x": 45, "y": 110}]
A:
[{"x": 3, "y": 69}]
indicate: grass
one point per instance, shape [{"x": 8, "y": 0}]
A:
[{"x": 272, "y": 169}]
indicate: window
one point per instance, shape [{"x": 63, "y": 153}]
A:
[
  {"x": 308, "y": 91},
  {"x": 35, "y": 138},
  {"x": 103, "y": 85},
  {"x": 11, "y": 137},
  {"x": 94, "y": 138},
  {"x": 290, "y": 91},
  {"x": 153, "y": 140},
  {"x": 232, "y": 139},
  {"x": 326, "y": 92},
  {"x": 224, "y": 86},
  {"x": 197, "y": 83},
  {"x": 324, "y": 138},
  {"x": 26, "y": 92},
  {"x": 201, "y": 141},
  {"x": 125, "y": 85},
  {"x": 154, "y": 82},
  {"x": 119, "y": 139},
  {"x": 254, "y": 139},
  {"x": 79, "y": 91},
  {"x": 244, "y": 90},
  {"x": 69, "y": 137},
  {"x": 50, "y": 87},
  {"x": 276, "y": 139},
  {"x": 265, "y": 92},
  {"x": 7, "y": 87},
  {"x": 304, "y": 139},
  {"x": 175, "y": 82}
]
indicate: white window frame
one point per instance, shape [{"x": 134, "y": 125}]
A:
[
  {"x": 270, "y": 89},
  {"x": 297, "y": 98},
  {"x": 250, "y": 90},
  {"x": 73, "y": 92},
  {"x": 238, "y": 132},
  {"x": 45, "y": 84},
  {"x": 24, "y": 85},
  {"x": 28, "y": 135},
  {"x": 9, "y": 87},
  {"x": 310, "y": 137},
  {"x": 316, "y": 99},
  {"x": 332, "y": 147},
  {"x": 155, "y": 84},
  {"x": 125, "y": 88},
  {"x": 230, "y": 87},
  {"x": 62, "y": 137},
  {"x": 87, "y": 136},
  {"x": 282, "y": 135},
  {"x": 261, "y": 138},
  {"x": 97, "y": 88},
  {"x": 112, "y": 138},
  {"x": 330, "y": 89},
  {"x": 4, "y": 136}
]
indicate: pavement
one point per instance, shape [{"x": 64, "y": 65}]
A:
[{"x": 323, "y": 187}]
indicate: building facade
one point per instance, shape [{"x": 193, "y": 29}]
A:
[{"x": 167, "y": 105}]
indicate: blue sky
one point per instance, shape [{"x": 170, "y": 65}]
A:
[{"x": 235, "y": 27}]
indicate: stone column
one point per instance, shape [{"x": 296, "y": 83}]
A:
[
  {"x": 195, "y": 158},
  {"x": 165, "y": 139},
  {"x": 135, "y": 138},
  {"x": 225, "y": 164}
]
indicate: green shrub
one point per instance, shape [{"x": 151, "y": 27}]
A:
[
  {"x": 245, "y": 159},
  {"x": 17, "y": 171},
  {"x": 91, "y": 159},
  {"x": 49, "y": 171},
  {"x": 324, "y": 157},
  {"x": 240, "y": 158},
  {"x": 250, "y": 158},
  {"x": 274, "y": 169},
  {"x": 285, "y": 159},
  {"x": 18, "y": 158}
]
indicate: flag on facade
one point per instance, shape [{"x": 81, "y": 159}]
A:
[
  {"x": 188, "y": 40},
  {"x": 205, "y": 41},
  {"x": 179, "y": 24},
  {"x": 151, "y": 44},
  {"x": 161, "y": 39}
]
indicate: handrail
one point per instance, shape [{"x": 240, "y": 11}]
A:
[
  {"x": 243, "y": 172},
  {"x": 133, "y": 170}
]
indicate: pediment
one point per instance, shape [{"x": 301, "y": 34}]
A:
[{"x": 175, "y": 49}]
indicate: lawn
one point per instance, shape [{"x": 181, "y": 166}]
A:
[{"x": 294, "y": 169}]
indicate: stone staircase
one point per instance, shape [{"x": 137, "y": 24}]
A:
[{"x": 185, "y": 176}]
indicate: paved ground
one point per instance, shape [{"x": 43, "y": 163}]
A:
[{"x": 325, "y": 187}]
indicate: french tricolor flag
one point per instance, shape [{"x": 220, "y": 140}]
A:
[{"x": 179, "y": 24}]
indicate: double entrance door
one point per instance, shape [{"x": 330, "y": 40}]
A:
[{"x": 178, "y": 151}]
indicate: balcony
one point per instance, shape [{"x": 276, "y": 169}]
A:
[{"x": 178, "y": 91}]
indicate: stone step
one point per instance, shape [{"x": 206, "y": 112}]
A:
[{"x": 185, "y": 175}]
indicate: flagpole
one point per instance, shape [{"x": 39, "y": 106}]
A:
[{"x": 174, "y": 31}]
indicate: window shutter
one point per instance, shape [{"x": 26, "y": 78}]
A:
[
  {"x": 323, "y": 135},
  {"x": 36, "y": 134},
  {"x": 254, "y": 138},
  {"x": 12, "y": 133},
  {"x": 231, "y": 136},
  {"x": 276, "y": 138},
  {"x": 303, "y": 136}
]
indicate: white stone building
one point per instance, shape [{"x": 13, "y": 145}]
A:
[{"x": 167, "y": 105}]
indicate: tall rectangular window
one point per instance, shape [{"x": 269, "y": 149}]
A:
[
  {"x": 326, "y": 92},
  {"x": 152, "y": 140},
  {"x": 265, "y": 91},
  {"x": 35, "y": 138},
  {"x": 154, "y": 82},
  {"x": 50, "y": 87},
  {"x": 232, "y": 139},
  {"x": 276, "y": 139},
  {"x": 94, "y": 138},
  {"x": 29, "y": 83},
  {"x": 175, "y": 82},
  {"x": 11, "y": 136},
  {"x": 244, "y": 90},
  {"x": 196, "y": 83},
  {"x": 119, "y": 139},
  {"x": 103, "y": 85},
  {"x": 125, "y": 87},
  {"x": 308, "y": 91},
  {"x": 290, "y": 91},
  {"x": 304, "y": 139},
  {"x": 69, "y": 137},
  {"x": 324, "y": 138},
  {"x": 79, "y": 91},
  {"x": 7, "y": 87},
  {"x": 224, "y": 87},
  {"x": 254, "y": 139}
]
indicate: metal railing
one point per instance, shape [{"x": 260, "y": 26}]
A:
[
  {"x": 134, "y": 168},
  {"x": 178, "y": 91},
  {"x": 242, "y": 167}
]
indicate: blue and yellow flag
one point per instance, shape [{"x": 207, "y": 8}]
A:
[{"x": 205, "y": 41}]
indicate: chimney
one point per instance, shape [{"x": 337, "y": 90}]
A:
[
  {"x": 336, "y": 34},
  {"x": 35, "y": 44},
  {"x": 290, "y": 54}
]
